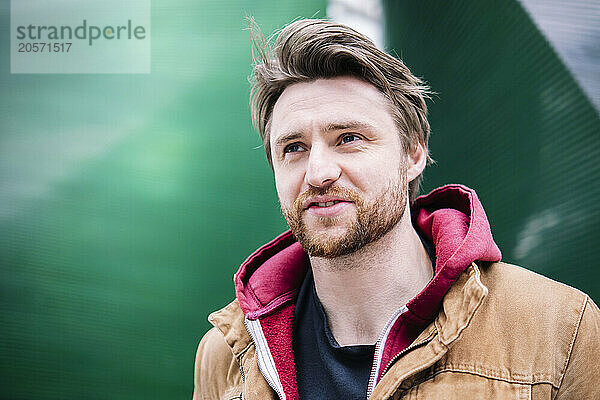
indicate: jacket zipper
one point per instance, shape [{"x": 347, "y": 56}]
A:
[
  {"x": 379, "y": 345},
  {"x": 406, "y": 350},
  {"x": 397, "y": 356},
  {"x": 265, "y": 375},
  {"x": 242, "y": 371}
]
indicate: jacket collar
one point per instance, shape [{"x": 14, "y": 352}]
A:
[
  {"x": 230, "y": 321},
  {"x": 458, "y": 308}
]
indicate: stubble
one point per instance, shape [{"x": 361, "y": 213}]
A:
[{"x": 372, "y": 221}]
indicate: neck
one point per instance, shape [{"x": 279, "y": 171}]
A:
[{"x": 361, "y": 291}]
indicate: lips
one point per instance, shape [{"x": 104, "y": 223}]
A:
[
  {"x": 328, "y": 209},
  {"x": 323, "y": 202}
]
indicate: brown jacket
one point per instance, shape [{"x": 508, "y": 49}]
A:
[{"x": 503, "y": 332}]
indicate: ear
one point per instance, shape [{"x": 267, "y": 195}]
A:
[{"x": 416, "y": 162}]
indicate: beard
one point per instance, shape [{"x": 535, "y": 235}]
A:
[{"x": 372, "y": 221}]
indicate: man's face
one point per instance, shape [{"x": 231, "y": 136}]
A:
[{"x": 340, "y": 169}]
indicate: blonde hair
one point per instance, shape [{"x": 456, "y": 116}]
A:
[{"x": 310, "y": 49}]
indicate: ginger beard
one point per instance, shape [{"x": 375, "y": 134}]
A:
[{"x": 371, "y": 222}]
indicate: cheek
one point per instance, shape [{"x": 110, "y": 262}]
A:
[
  {"x": 364, "y": 175},
  {"x": 287, "y": 190}
]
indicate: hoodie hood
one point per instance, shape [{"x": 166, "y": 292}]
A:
[{"x": 451, "y": 217}]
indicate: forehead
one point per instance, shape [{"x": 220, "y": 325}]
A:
[{"x": 325, "y": 102}]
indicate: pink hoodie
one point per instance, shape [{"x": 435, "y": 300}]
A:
[{"x": 267, "y": 284}]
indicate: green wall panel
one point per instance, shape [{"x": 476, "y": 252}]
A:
[
  {"x": 510, "y": 121},
  {"x": 127, "y": 202}
]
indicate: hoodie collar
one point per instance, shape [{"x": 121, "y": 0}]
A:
[{"x": 451, "y": 216}]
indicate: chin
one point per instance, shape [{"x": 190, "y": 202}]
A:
[{"x": 328, "y": 227}]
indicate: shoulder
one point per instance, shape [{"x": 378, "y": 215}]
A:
[
  {"x": 527, "y": 327},
  {"x": 518, "y": 292},
  {"x": 525, "y": 305},
  {"x": 216, "y": 367},
  {"x": 213, "y": 352}
]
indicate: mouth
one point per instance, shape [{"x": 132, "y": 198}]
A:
[{"x": 325, "y": 204}]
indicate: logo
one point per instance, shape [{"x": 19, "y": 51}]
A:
[
  {"x": 80, "y": 36},
  {"x": 82, "y": 32}
]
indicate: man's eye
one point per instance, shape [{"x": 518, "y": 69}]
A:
[
  {"x": 293, "y": 148},
  {"x": 349, "y": 137}
]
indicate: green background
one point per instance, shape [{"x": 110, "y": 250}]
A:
[
  {"x": 510, "y": 121},
  {"x": 127, "y": 202}
]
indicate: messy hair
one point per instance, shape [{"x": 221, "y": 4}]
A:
[{"x": 311, "y": 49}]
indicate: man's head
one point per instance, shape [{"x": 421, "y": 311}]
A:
[
  {"x": 345, "y": 131},
  {"x": 310, "y": 49}
]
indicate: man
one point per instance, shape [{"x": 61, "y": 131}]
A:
[{"x": 373, "y": 293}]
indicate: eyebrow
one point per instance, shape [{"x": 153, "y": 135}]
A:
[
  {"x": 340, "y": 126},
  {"x": 287, "y": 137},
  {"x": 334, "y": 126}
]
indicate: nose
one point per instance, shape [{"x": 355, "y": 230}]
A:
[{"x": 323, "y": 169}]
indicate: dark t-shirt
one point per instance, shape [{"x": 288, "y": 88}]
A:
[{"x": 324, "y": 369}]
